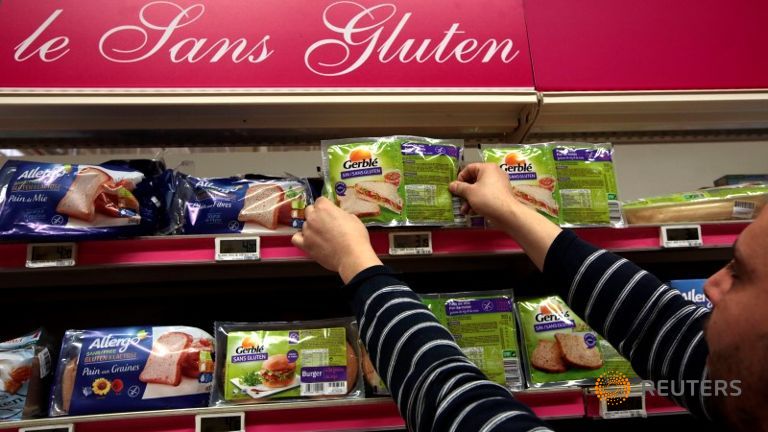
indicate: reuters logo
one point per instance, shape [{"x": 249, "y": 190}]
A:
[{"x": 612, "y": 387}]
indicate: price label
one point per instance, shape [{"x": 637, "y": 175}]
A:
[
  {"x": 238, "y": 248},
  {"x": 229, "y": 422},
  {"x": 681, "y": 236},
  {"x": 410, "y": 243},
  {"x": 632, "y": 406},
  {"x": 69, "y": 427},
  {"x": 51, "y": 255}
]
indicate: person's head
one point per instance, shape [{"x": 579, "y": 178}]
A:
[{"x": 737, "y": 332}]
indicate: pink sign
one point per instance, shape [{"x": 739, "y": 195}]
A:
[
  {"x": 648, "y": 45},
  {"x": 263, "y": 44}
]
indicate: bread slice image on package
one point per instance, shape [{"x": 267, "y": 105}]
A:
[
  {"x": 164, "y": 363},
  {"x": 382, "y": 193},
  {"x": 351, "y": 203},
  {"x": 82, "y": 193},
  {"x": 577, "y": 353},
  {"x": 538, "y": 198},
  {"x": 548, "y": 357},
  {"x": 262, "y": 205}
]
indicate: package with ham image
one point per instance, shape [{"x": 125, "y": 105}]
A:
[
  {"x": 70, "y": 200},
  {"x": 247, "y": 204},
  {"x": 133, "y": 369}
]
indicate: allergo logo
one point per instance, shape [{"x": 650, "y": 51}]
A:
[
  {"x": 206, "y": 184},
  {"x": 45, "y": 175},
  {"x": 123, "y": 343},
  {"x": 514, "y": 163},
  {"x": 549, "y": 313},
  {"x": 360, "y": 157}
]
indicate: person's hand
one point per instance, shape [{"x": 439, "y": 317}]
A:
[
  {"x": 487, "y": 191},
  {"x": 335, "y": 239}
]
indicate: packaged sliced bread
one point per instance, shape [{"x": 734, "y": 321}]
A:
[{"x": 132, "y": 369}]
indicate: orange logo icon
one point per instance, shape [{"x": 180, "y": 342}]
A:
[
  {"x": 513, "y": 159},
  {"x": 360, "y": 154},
  {"x": 612, "y": 387}
]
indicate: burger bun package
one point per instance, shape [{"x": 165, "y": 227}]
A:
[
  {"x": 395, "y": 180},
  {"x": 265, "y": 362},
  {"x": 75, "y": 201},
  {"x": 132, "y": 369},
  {"x": 25, "y": 371},
  {"x": 232, "y": 205},
  {"x": 739, "y": 202}
]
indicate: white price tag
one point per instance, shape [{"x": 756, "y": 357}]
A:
[
  {"x": 228, "y": 422},
  {"x": 238, "y": 248},
  {"x": 69, "y": 427},
  {"x": 410, "y": 243},
  {"x": 632, "y": 406},
  {"x": 681, "y": 236},
  {"x": 51, "y": 255}
]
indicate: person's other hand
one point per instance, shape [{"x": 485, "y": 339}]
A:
[
  {"x": 335, "y": 239},
  {"x": 487, "y": 191}
]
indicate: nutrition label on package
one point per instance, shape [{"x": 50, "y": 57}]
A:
[{"x": 421, "y": 195}]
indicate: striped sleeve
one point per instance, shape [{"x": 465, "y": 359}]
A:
[
  {"x": 649, "y": 323},
  {"x": 435, "y": 386}
]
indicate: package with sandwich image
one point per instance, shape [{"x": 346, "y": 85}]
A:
[
  {"x": 25, "y": 376},
  {"x": 588, "y": 195},
  {"x": 560, "y": 348},
  {"x": 531, "y": 172},
  {"x": 55, "y": 200},
  {"x": 262, "y": 362},
  {"x": 132, "y": 369},
  {"x": 740, "y": 202},
  {"x": 242, "y": 204},
  {"x": 394, "y": 181},
  {"x": 483, "y": 324}
]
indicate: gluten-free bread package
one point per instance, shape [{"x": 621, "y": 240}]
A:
[
  {"x": 25, "y": 371},
  {"x": 132, "y": 369}
]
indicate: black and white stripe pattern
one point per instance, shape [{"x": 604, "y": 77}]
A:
[{"x": 437, "y": 388}]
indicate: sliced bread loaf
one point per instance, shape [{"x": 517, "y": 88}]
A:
[
  {"x": 576, "y": 353},
  {"x": 164, "y": 363},
  {"x": 547, "y": 357}
]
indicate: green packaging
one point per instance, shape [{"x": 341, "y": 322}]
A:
[
  {"x": 268, "y": 361},
  {"x": 587, "y": 184},
  {"x": 561, "y": 349},
  {"x": 396, "y": 180},
  {"x": 483, "y": 325},
  {"x": 531, "y": 171}
]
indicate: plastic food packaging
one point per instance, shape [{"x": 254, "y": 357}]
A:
[
  {"x": 560, "y": 349},
  {"x": 531, "y": 171},
  {"x": 742, "y": 202},
  {"x": 260, "y": 362},
  {"x": 586, "y": 184},
  {"x": 692, "y": 290},
  {"x": 25, "y": 370},
  {"x": 62, "y": 200},
  {"x": 394, "y": 181},
  {"x": 483, "y": 324},
  {"x": 735, "y": 179},
  {"x": 228, "y": 205},
  {"x": 132, "y": 369}
]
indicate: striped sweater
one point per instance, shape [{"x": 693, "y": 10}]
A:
[{"x": 438, "y": 389}]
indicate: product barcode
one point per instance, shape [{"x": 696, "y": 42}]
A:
[
  {"x": 44, "y": 358},
  {"x": 324, "y": 389},
  {"x": 512, "y": 374},
  {"x": 743, "y": 209},
  {"x": 744, "y": 204},
  {"x": 614, "y": 212}
]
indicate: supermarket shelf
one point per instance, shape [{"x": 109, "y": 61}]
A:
[
  {"x": 630, "y": 113},
  {"x": 284, "y": 115}
]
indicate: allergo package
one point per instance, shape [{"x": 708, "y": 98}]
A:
[
  {"x": 259, "y": 362},
  {"x": 69, "y": 200},
  {"x": 560, "y": 349},
  {"x": 483, "y": 324},
  {"x": 571, "y": 184},
  {"x": 132, "y": 369},
  {"x": 25, "y": 365},
  {"x": 392, "y": 181},
  {"x": 260, "y": 205}
]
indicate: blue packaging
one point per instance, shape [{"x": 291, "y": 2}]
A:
[
  {"x": 693, "y": 290},
  {"x": 77, "y": 201},
  {"x": 231, "y": 205},
  {"x": 132, "y": 369}
]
